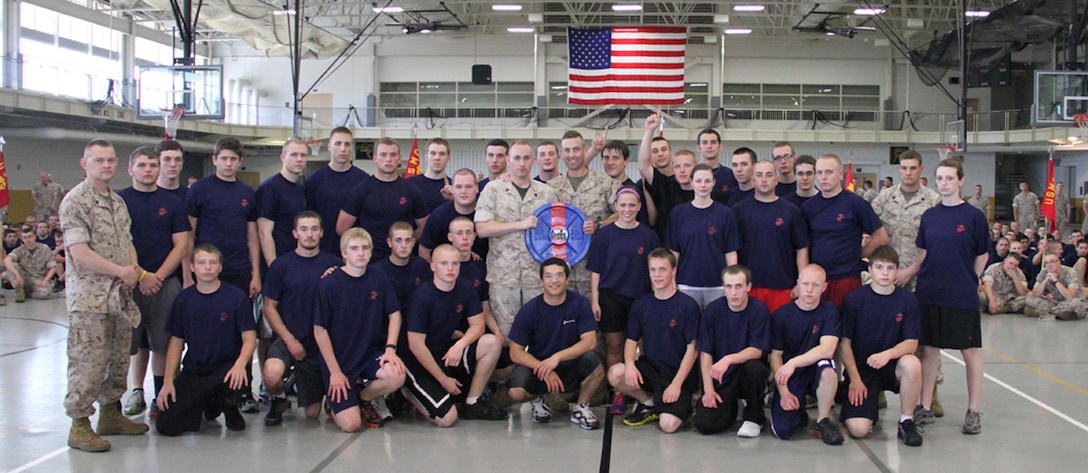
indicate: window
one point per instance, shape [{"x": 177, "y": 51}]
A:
[
  {"x": 802, "y": 101},
  {"x": 462, "y": 99}
]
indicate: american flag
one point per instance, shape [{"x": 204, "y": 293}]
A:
[{"x": 640, "y": 65}]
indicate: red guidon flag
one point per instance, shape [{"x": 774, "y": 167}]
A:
[
  {"x": 5, "y": 198},
  {"x": 413, "y": 160},
  {"x": 849, "y": 177},
  {"x": 639, "y": 65},
  {"x": 1050, "y": 211}
]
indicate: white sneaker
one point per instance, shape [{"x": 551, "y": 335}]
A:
[
  {"x": 381, "y": 408},
  {"x": 542, "y": 413},
  {"x": 749, "y": 430},
  {"x": 134, "y": 402}
]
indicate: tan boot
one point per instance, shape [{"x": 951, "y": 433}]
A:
[
  {"x": 111, "y": 422},
  {"x": 20, "y": 294},
  {"x": 938, "y": 409},
  {"x": 81, "y": 437}
]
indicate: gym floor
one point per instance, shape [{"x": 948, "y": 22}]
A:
[{"x": 1035, "y": 407}]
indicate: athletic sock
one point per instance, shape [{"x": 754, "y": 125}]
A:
[
  {"x": 904, "y": 417},
  {"x": 649, "y": 403},
  {"x": 158, "y": 384},
  {"x": 469, "y": 401}
]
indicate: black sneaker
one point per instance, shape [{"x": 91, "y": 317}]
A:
[
  {"x": 275, "y": 411},
  {"x": 235, "y": 421},
  {"x": 642, "y": 415},
  {"x": 910, "y": 433},
  {"x": 828, "y": 432},
  {"x": 482, "y": 411}
]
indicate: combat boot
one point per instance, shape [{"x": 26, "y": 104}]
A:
[
  {"x": 111, "y": 422},
  {"x": 81, "y": 437}
]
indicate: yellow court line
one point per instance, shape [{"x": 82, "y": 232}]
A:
[{"x": 1039, "y": 371}]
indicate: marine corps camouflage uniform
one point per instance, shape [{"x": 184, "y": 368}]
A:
[
  {"x": 902, "y": 218},
  {"x": 1026, "y": 209},
  {"x": 1061, "y": 208},
  {"x": 981, "y": 203},
  {"x": 33, "y": 266},
  {"x": 513, "y": 274},
  {"x": 1004, "y": 289},
  {"x": 101, "y": 314},
  {"x": 596, "y": 198},
  {"x": 1052, "y": 302}
]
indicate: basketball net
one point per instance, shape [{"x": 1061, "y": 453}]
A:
[
  {"x": 1081, "y": 120},
  {"x": 946, "y": 151},
  {"x": 315, "y": 147},
  {"x": 170, "y": 119}
]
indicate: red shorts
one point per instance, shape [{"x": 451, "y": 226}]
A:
[
  {"x": 774, "y": 298},
  {"x": 837, "y": 289}
]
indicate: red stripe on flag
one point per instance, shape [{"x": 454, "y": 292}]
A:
[
  {"x": 649, "y": 29},
  {"x": 632, "y": 77},
  {"x": 645, "y": 53},
  {"x": 674, "y": 42},
  {"x": 647, "y": 65},
  {"x": 631, "y": 49},
  {"x": 626, "y": 90},
  {"x": 559, "y": 224},
  {"x": 646, "y": 101}
]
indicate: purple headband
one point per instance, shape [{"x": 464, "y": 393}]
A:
[{"x": 626, "y": 190}]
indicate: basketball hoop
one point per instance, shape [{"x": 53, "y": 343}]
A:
[
  {"x": 946, "y": 151},
  {"x": 170, "y": 119},
  {"x": 1081, "y": 120},
  {"x": 315, "y": 147}
]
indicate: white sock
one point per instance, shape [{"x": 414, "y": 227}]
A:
[
  {"x": 649, "y": 403},
  {"x": 903, "y": 417},
  {"x": 471, "y": 400}
]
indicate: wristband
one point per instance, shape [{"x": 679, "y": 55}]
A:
[
  {"x": 142, "y": 276},
  {"x": 390, "y": 345}
]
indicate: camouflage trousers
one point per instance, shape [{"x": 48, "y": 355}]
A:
[
  {"x": 98, "y": 359},
  {"x": 506, "y": 301},
  {"x": 1065, "y": 310},
  {"x": 1005, "y": 304}
]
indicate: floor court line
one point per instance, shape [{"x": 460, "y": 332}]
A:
[
  {"x": 39, "y": 460},
  {"x": 1024, "y": 395},
  {"x": 1038, "y": 371}
]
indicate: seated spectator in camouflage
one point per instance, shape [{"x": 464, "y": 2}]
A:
[
  {"x": 1004, "y": 286},
  {"x": 32, "y": 267},
  {"x": 1057, "y": 293}
]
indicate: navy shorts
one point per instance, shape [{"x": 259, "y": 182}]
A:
[
  {"x": 803, "y": 382},
  {"x": 876, "y": 381},
  {"x": 571, "y": 372},
  {"x": 357, "y": 381}
]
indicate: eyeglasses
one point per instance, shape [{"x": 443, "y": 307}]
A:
[{"x": 782, "y": 157}]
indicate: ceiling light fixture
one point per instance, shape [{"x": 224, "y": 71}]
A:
[
  {"x": 283, "y": 12},
  {"x": 977, "y": 13},
  {"x": 732, "y": 31},
  {"x": 749, "y": 8},
  {"x": 521, "y": 29},
  {"x": 868, "y": 11},
  {"x": 626, "y": 7},
  {"x": 388, "y": 9},
  {"x": 506, "y": 7}
]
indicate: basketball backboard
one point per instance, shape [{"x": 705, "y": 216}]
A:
[
  {"x": 1059, "y": 96},
  {"x": 197, "y": 89}
]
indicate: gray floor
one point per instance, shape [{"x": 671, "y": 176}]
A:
[{"x": 1035, "y": 404}]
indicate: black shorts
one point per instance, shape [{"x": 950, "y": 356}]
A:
[
  {"x": 357, "y": 381},
  {"x": 876, "y": 381},
  {"x": 804, "y": 381},
  {"x": 655, "y": 381},
  {"x": 947, "y": 327},
  {"x": 615, "y": 309},
  {"x": 422, "y": 386},
  {"x": 307, "y": 374},
  {"x": 571, "y": 372}
]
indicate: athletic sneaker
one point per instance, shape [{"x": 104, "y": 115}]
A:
[
  {"x": 235, "y": 421},
  {"x": 275, "y": 411},
  {"x": 923, "y": 415},
  {"x": 828, "y": 432},
  {"x": 642, "y": 415},
  {"x": 153, "y": 413},
  {"x": 619, "y": 405},
  {"x": 249, "y": 405},
  {"x": 370, "y": 416},
  {"x": 749, "y": 430},
  {"x": 584, "y": 417},
  {"x": 482, "y": 410},
  {"x": 972, "y": 423},
  {"x": 263, "y": 398},
  {"x": 134, "y": 402},
  {"x": 910, "y": 434},
  {"x": 542, "y": 412},
  {"x": 382, "y": 409}
]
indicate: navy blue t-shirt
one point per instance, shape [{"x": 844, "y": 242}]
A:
[
  {"x": 784, "y": 188},
  {"x": 619, "y": 256},
  {"x": 438, "y": 314},
  {"x": 952, "y": 237},
  {"x": 49, "y": 241},
  {"x": 405, "y": 279},
  {"x": 770, "y": 235},
  {"x": 666, "y": 328},
  {"x": 377, "y": 204},
  {"x": 725, "y": 184},
  {"x": 438, "y": 225},
  {"x": 796, "y": 331},
  {"x": 354, "y": 311},
  {"x": 702, "y": 237},
  {"x": 223, "y": 211},
  {"x": 836, "y": 226},
  {"x": 483, "y": 183},
  {"x": 874, "y": 323},
  {"x": 292, "y": 282},
  {"x": 211, "y": 325},
  {"x": 795, "y": 199},
  {"x": 737, "y": 196},
  {"x": 156, "y": 217},
  {"x": 182, "y": 193},
  {"x": 667, "y": 195},
  {"x": 431, "y": 190},
  {"x": 279, "y": 200},
  {"x": 325, "y": 193},
  {"x": 475, "y": 272},
  {"x": 545, "y": 330},
  {"x": 725, "y": 332}
]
